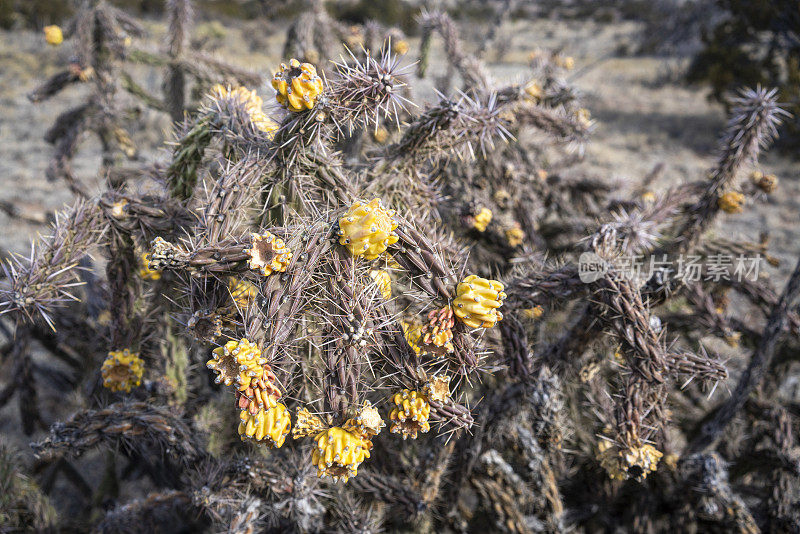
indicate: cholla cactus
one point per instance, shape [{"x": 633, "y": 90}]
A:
[
  {"x": 122, "y": 370},
  {"x": 251, "y": 104},
  {"x": 310, "y": 304}
]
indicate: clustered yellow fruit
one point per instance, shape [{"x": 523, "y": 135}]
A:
[
  {"x": 366, "y": 421},
  {"x": 338, "y": 453},
  {"x": 250, "y": 371},
  {"x": 731, "y": 202},
  {"x": 122, "y": 370},
  {"x": 145, "y": 272},
  {"x": 436, "y": 335},
  {"x": 307, "y": 424},
  {"x": 412, "y": 333},
  {"x": 618, "y": 463},
  {"x": 400, "y": 47},
  {"x": 261, "y": 416},
  {"x": 410, "y": 413},
  {"x": 267, "y": 424},
  {"x": 298, "y": 85},
  {"x": 733, "y": 339},
  {"x": 565, "y": 62},
  {"x": 766, "y": 182},
  {"x": 383, "y": 281},
  {"x": 340, "y": 450},
  {"x": 482, "y": 219},
  {"x": 437, "y": 388},
  {"x": 477, "y": 300},
  {"x": 534, "y": 313},
  {"x": 367, "y": 229},
  {"x": 252, "y": 104},
  {"x": 268, "y": 254},
  {"x": 534, "y": 91},
  {"x": 380, "y": 135},
  {"x": 53, "y": 35},
  {"x": 242, "y": 292},
  {"x": 515, "y": 236}
]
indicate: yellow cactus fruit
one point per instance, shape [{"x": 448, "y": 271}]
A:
[
  {"x": 731, "y": 202},
  {"x": 307, "y": 424},
  {"x": 53, "y": 35},
  {"x": 648, "y": 197},
  {"x": 242, "y": 292},
  {"x": 400, "y": 47},
  {"x": 354, "y": 39},
  {"x": 338, "y": 453},
  {"x": 733, "y": 339},
  {"x": 240, "y": 363},
  {"x": 502, "y": 196},
  {"x": 588, "y": 371},
  {"x": 224, "y": 364},
  {"x": 534, "y": 91},
  {"x": 482, "y": 219},
  {"x": 122, "y": 370},
  {"x": 671, "y": 461},
  {"x": 383, "y": 281},
  {"x": 145, "y": 272},
  {"x": 267, "y": 424},
  {"x": 768, "y": 183},
  {"x": 477, "y": 301},
  {"x": 437, "y": 389},
  {"x": 620, "y": 463},
  {"x": 410, "y": 414},
  {"x": 366, "y": 421},
  {"x": 119, "y": 209},
  {"x": 367, "y": 229},
  {"x": 380, "y": 135},
  {"x": 567, "y": 62},
  {"x": 436, "y": 335},
  {"x": 514, "y": 235},
  {"x": 268, "y": 254},
  {"x": 125, "y": 142},
  {"x": 252, "y": 103},
  {"x": 537, "y": 312},
  {"x": 298, "y": 85},
  {"x": 412, "y": 334}
]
